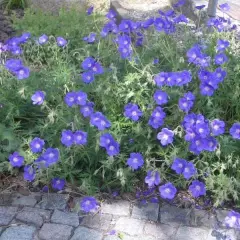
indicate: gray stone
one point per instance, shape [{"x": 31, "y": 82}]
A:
[
  {"x": 125, "y": 237},
  {"x": 160, "y": 231},
  {"x": 223, "y": 234},
  {"x": 45, "y": 214},
  {"x": 86, "y": 234},
  {"x": 18, "y": 233},
  {"x": 130, "y": 226},
  {"x": 50, "y": 231},
  {"x": 53, "y": 201},
  {"x": 121, "y": 208},
  {"x": 30, "y": 218},
  {"x": 7, "y": 214},
  {"x": 99, "y": 221},
  {"x": 5, "y": 199},
  {"x": 175, "y": 216},
  {"x": 148, "y": 212},
  {"x": 67, "y": 218},
  {"x": 221, "y": 215},
  {"x": 191, "y": 233},
  {"x": 203, "y": 218},
  {"x": 21, "y": 200}
]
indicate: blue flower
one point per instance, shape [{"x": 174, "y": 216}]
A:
[
  {"x": 38, "y": 97},
  {"x": 160, "y": 97},
  {"x": 222, "y": 45},
  {"x": 67, "y": 138},
  {"x": 135, "y": 161},
  {"x": 152, "y": 178},
  {"x": 160, "y": 79},
  {"x": 224, "y": 7},
  {"x": 43, "y": 39},
  {"x": 16, "y": 160},
  {"x": 81, "y": 98},
  {"x": 197, "y": 188},
  {"x": 113, "y": 148},
  {"x": 36, "y": 145},
  {"x": 91, "y": 38},
  {"x": 70, "y": 98},
  {"x": 111, "y": 15},
  {"x": 179, "y": 165},
  {"x": 100, "y": 121},
  {"x": 80, "y": 138},
  {"x": 132, "y": 111},
  {"x": 88, "y": 77},
  {"x": 87, "y": 109},
  {"x": 186, "y": 102},
  {"x": 167, "y": 191},
  {"x": 61, "y": 42},
  {"x": 58, "y": 183},
  {"x": 51, "y": 155},
  {"x": 22, "y": 73},
  {"x": 220, "y": 58},
  {"x": 29, "y": 173},
  {"x": 217, "y": 127},
  {"x": 165, "y": 136},
  {"x": 90, "y": 10},
  {"x": 232, "y": 220},
  {"x": 88, "y": 63},
  {"x": 189, "y": 170},
  {"x": 235, "y": 130},
  {"x": 105, "y": 139},
  {"x": 89, "y": 204}
]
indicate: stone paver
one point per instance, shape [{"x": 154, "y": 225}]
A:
[
  {"x": 45, "y": 214},
  {"x": 50, "y": 220},
  {"x": 160, "y": 231},
  {"x": 175, "y": 216},
  {"x": 21, "y": 200},
  {"x": 121, "y": 208},
  {"x": 99, "y": 221},
  {"x": 221, "y": 215},
  {"x": 191, "y": 233},
  {"x": 84, "y": 233},
  {"x": 50, "y": 231},
  {"x": 7, "y": 214},
  {"x": 125, "y": 237},
  {"x": 18, "y": 233},
  {"x": 53, "y": 201},
  {"x": 148, "y": 212},
  {"x": 30, "y": 218},
  {"x": 66, "y": 218},
  {"x": 130, "y": 226},
  {"x": 223, "y": 234},
  {"x": 201, "y": 218}
]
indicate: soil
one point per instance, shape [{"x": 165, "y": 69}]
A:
[{"x": 6, "y": 29}]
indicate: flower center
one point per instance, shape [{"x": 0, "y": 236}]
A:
[
  {"x": 15, "y": 159},
  {"x": 135, "y": 160},
  {"x": 134, "y": 113},
  {"x": 167, "y": 190}
]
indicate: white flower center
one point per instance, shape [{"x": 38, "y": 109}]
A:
[
  {"x": 165, "y": 137},
  {"x": 134, "y": 113},
  {"x": 135, "y": 160},
  {"x": 167, "y": 190},
  {"x": 15, "y": 159}
]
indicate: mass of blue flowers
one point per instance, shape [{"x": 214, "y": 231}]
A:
[{"x": 199, "y": 133}]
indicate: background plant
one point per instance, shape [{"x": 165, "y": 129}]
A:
[{"x": 57, "y": 71}]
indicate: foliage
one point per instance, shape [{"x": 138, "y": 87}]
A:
[
  {"x": 56, "y": 71},
  {"x": 13, "y": 4}
]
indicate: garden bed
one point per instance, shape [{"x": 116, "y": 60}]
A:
[{"x": 116, "y": 108}]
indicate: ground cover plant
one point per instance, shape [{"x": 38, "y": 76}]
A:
[{"x": 109, "y": 106}]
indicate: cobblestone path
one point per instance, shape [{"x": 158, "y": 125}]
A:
[{"x": 46, "y": 217}]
